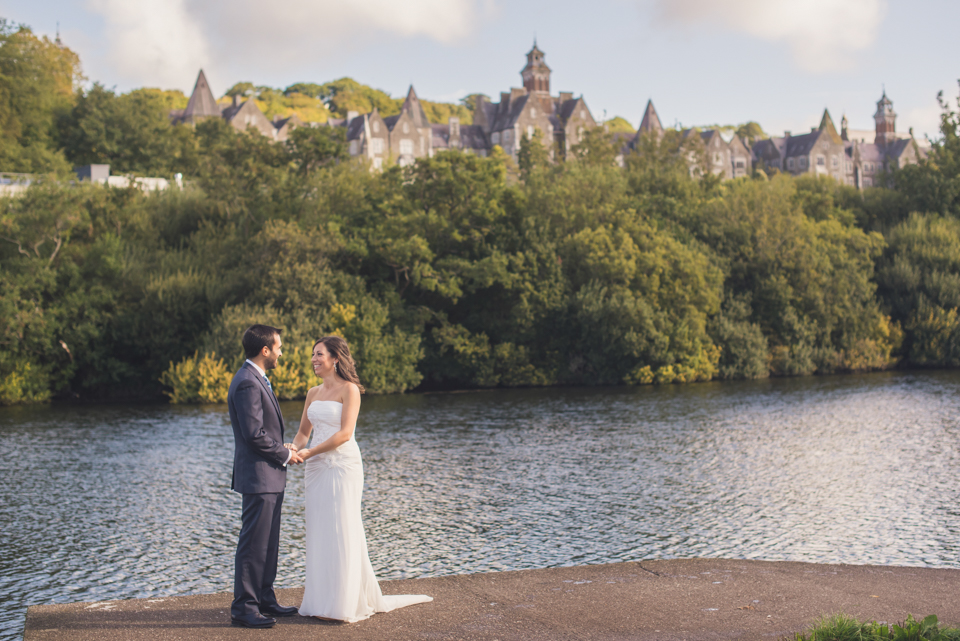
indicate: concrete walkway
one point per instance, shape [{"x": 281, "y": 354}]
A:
[{"x": 663, "y": 600}]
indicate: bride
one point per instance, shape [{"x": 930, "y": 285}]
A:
[{"x": 340, "y": 584}]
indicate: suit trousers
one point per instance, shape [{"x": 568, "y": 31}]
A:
[{"x": 257, "y": 554}]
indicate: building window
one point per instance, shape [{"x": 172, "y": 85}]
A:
[
  {"x": 376, "y": 127},
  {"x": 740, "y": 164},
  {"x": 803, "y": 162},
  {"x": 354, "y": 147},
  {"x": 506, "y": 136},
  {"x": 868, "y": 182},
  {"x": 406, "y": 128},
  {"x": 378, "y": 163},
  {"x": 848, "y": 165},
  {"x": 717, "y": 158},
  {"x": 406, "y": 147},
  {"x": 775, "y": 162},
  {"x": 821, "y": 161},
  {"x": 529, "y": 131},
  {"x": 495, "y": 138},
  {"x": 789, "y": 163},
  {"x": 376, "y": 145},
  {"x": 836, "y": 161},
  {"x": 533, "y": 112}
]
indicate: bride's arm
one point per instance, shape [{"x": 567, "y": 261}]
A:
[
  {"x": 348, "y": 423},
  {"x": 303, "y": 435}
]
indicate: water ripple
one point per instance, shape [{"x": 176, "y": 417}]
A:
[{"x": 121, "y": 502}]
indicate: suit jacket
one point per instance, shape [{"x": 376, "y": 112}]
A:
[{"x": 259, "y": 454}]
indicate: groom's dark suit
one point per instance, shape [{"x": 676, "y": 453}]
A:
[{"x": 260, "y": 475}]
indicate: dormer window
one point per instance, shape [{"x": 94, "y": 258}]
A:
[{"x": 495, "y": 138}]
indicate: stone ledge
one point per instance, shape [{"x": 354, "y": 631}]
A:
[{"x": 676, "y": 600}]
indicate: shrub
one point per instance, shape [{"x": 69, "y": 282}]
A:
[
  {"x": 25, "y": 384},
  {"x": 198, "y": 379}
]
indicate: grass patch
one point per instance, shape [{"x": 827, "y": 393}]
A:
[{"x": 843, "y": 628}]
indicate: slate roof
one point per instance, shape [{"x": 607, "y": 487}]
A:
[
  {"x": 803, "y": 144},
  {"x": 413, "y": 106},
  {"x": 507, "y": 114},
  {"x": 897, "y": 147},
  {"x": 766, "y": 150},
  {"x": 567, "y": 108},
  {"x": 202, "y": 103},
  {"x": 355, "y": 128},
  {"x": 650, "y": 121},
  {"x": 471, "y": 137},
  {"x": 826, "y": 126}
]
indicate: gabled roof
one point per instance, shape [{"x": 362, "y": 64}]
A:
[
  {"x": 355, "y": 127},
  {"x": 508, "y": 114},
  {"x": 566, "y": 109},
  {"x": 896, "y": 148},
  {"x": 202, "y": 103},
  {"x": 415, "y": 109},
  {"x": 826, "y": 125},
  {"x": 803, "y": 144},
  {"x": 651, "y": 121}
]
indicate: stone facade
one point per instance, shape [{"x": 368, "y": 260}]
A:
[
  {"x": 561, "y": 120},
  {"x": 241, "y": 114},
  {"x": 852, "y": 161}
]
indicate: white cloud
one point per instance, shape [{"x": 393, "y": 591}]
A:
[
  {"x": 152, "y": 42},
  {"x": 164, "y": 42},
  {"x": 823, "y": 35}
]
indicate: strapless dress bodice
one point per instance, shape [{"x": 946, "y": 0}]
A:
[{"x": 325, "y": 418}]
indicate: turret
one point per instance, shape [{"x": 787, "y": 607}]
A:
[
  {"x": 886, "y": 121},
  {"x": 536, "y": 75}
]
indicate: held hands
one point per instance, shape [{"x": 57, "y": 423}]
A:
[
  {"x": 295, "y": 456},
  {"x": 303, "y": 454}
]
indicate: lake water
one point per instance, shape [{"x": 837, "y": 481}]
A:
[{"x": 109, "y": 502}]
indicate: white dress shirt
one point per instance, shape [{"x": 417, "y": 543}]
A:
[{"x": 264, "y": 374}]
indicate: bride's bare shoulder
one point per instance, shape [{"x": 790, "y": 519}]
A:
[{"x": 313, "y": 391}]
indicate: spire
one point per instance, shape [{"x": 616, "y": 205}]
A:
[
  {"x": 826, "y": 125},
  {"x": 651, "y": 121},
  {"x": 843, "y": 127},
  {"x": 57, "y": 41},
  {"x": 413, "y": 106},
  {"x": 202, "y": 104}
]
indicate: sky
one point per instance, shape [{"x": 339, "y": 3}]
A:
[{"x": 702, "y": 62}]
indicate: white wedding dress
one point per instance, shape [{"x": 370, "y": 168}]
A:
[{"x": 340, "y": 580}]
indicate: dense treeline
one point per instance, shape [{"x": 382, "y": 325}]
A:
[
  {"x": 463, "y": 271},
  {"x": 459, "y": 271}
]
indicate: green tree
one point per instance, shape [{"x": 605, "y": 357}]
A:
[
  {"x": 130, "y": 132},
  {"x": 37, "y": 83}
]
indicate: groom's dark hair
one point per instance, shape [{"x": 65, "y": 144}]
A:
[{"x": 257, "y": 337}]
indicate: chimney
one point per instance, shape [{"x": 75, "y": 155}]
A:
[
  {"x": 351, "y": 115},
  {"x": 565, "y": 96},
  {"x": 786, "y": 134},
  {"x": 236, "y": 100}
]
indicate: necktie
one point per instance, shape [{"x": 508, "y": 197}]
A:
[{"x": 268, "y": 382}]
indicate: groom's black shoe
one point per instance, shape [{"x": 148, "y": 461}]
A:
[
  {"x": 278, "y": 610},
  {"x": 253, "y": 621}
]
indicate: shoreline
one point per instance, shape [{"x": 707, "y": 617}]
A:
[
  {"x": 675, "y": 600},
  {"x": 153, "y": 401}
]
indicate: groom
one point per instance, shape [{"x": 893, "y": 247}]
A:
[{"x": 259, "y": 474}]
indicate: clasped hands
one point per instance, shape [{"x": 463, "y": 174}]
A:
[{"x": 298, "y": 455}]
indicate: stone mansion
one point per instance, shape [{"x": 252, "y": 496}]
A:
[{"x": 562, "y": 120}]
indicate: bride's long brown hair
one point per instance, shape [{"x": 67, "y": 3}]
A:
[{"x": 345, "y": 367}]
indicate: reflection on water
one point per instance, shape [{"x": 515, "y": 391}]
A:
[{"x": 116, "y": 502}]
